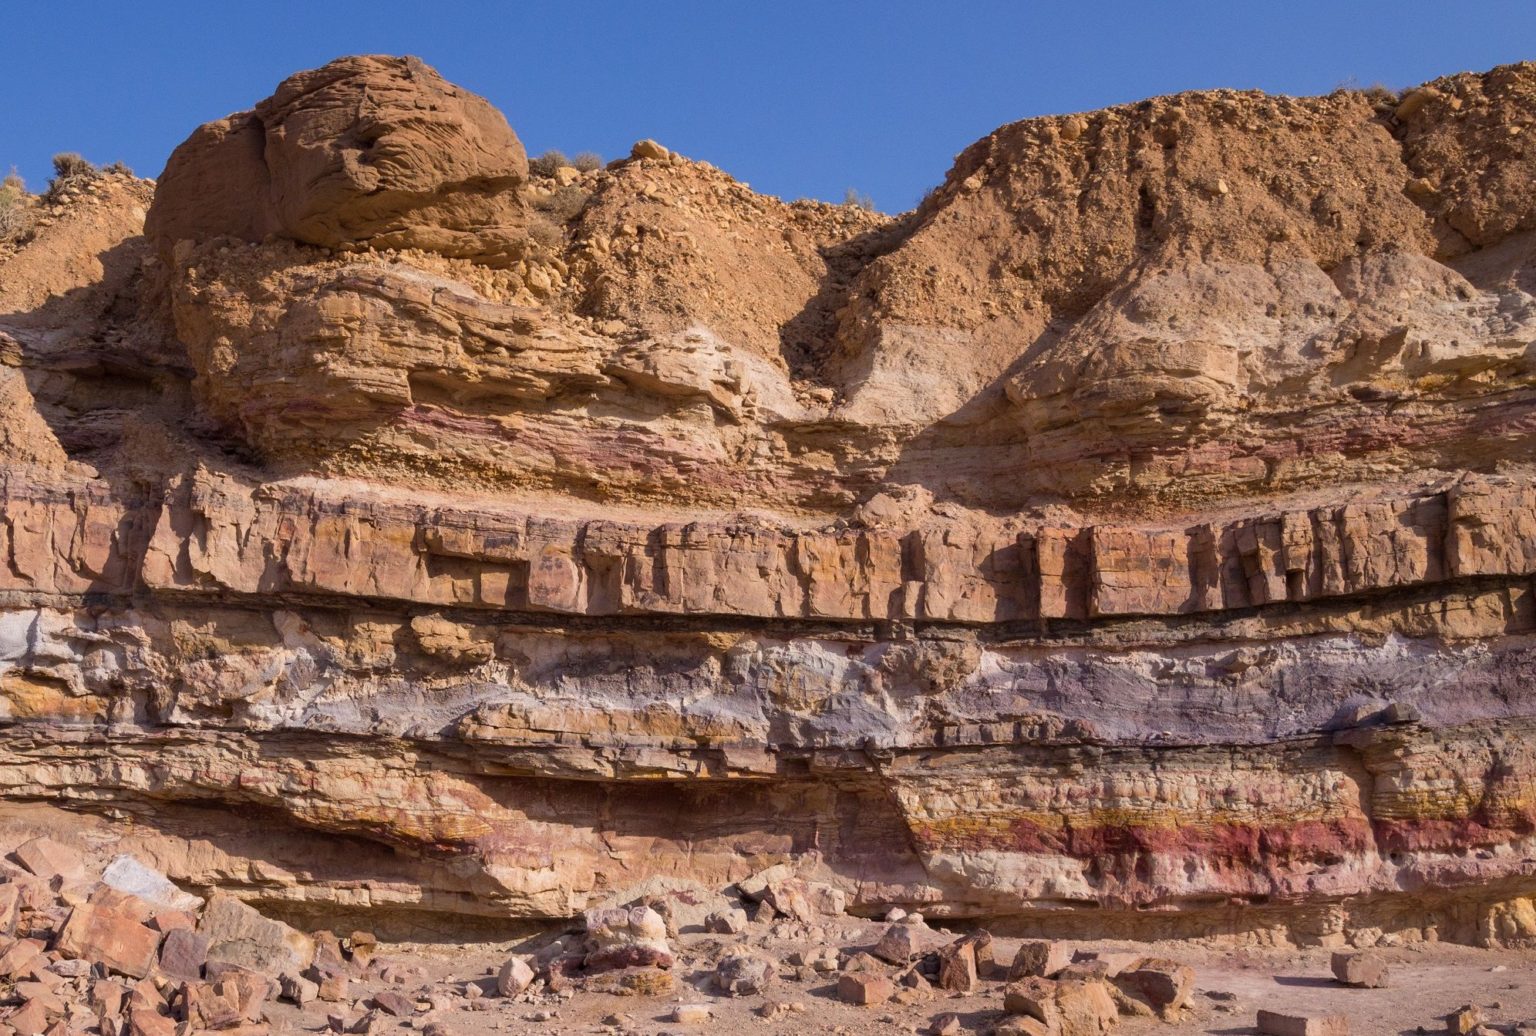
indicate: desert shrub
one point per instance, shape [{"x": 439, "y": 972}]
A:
[
  {"x": 69, "y": 165},
  {"x": 15, "y": 213},
  {"x": 1381, "y": 96},
  {"x": 69, "y": 170},
  {"x": 565, "y": 204},
  {"x": 547, "y": 223},
  {"x": 14, "y": 221},
  {"x": 854, "y": 199},
  {"x": 587, "y": 161},
  {"x": 548, "y": 162},
  {"x": 546, "y": 233}
]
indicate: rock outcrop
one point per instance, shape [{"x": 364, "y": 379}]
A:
[
  {"x": 365, "y": 153},
  {"x": 1136, "y": 538}
]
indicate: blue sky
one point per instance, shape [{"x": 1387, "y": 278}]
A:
[{"x": 798, "y": 99}]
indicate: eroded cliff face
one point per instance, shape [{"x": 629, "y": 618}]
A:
[{"x": 1135, "y": 538}]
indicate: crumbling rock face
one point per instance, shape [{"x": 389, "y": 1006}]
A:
[{"x": 1136, "y": 538}]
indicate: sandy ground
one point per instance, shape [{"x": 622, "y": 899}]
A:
[{"x": 1428, "y": 982}]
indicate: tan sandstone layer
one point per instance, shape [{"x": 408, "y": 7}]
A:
[{"x": 1136, "y": 538}]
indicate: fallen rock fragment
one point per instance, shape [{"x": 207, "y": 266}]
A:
[
  {"x": 983, "y": 944},
  {"x": 900, "y": 943},
  {"x": 170, "y": 920},
  {"x": 183, "y": 953},
  {"x": 1070, "y": 1008},
  {"x": 145, "y": 994},
  {"x": 297, "y": 989},
  {"x": 1460, "y": 1022},
  {"x": 49, "y": 859},
  {"x": 1364, "y": 969},
  {"x": 20, "y": 958},
  {"x": 361, "y": 947},
  {"x": 790, "y": 898},
  {"x": 957, "y": 967},
  {"x": 40, "y": 993},
  {"x": 126, "y": 874},
  {"x": 1085, "y": 1008},
  {"x": 395, "y": 1004},
  {"x": 110, "y": 938},
  {"x": 864, "y": 988},
  {"x": 743, "y": 974},
  {"x": 1033, "y": 996},
  {"x": 726, "y": 922},
  {"x": 143, "y": 1021},
  {"x": 1039, "y": 957},
  {"x": 514, "y": 977},
  {"x": 247, "y": 990},
  {"x": 1164, "y": 985},
  {"x": 31, "y": 1019},
  {"x": 913, "y": 978},
  {"x": 107, "y": 997},
  {"x": 331, "y": 986},
  {"x": 692, "y": 1014},
  {"x": 202, "y": 1006},
  {"x": 1274, "y": 1023},
  {"x": 238, "y": 933},
  {"x": 755, "y": 886},
  {"x": 110, "y": 899},
  {"x": 856, "y": 963}
]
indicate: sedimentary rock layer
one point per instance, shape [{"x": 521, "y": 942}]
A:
[{"x": 1136, "y": 537}]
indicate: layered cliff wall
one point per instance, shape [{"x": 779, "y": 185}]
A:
[{"x": 1135, "y": 538}]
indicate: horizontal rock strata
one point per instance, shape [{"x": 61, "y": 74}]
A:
[
  {"x": 214, "y": 534},
  {"x": 1137, "y": 538}
]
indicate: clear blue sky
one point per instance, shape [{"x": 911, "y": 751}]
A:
[{"x": 799, "y": 99}]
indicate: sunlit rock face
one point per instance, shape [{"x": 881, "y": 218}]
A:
[{"x": 1136, "y": 538}]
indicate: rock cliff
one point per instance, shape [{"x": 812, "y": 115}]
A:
[{"x": 1136, "y": 538}]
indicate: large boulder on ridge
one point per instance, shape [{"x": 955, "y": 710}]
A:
[{"x": 365, "y": 152}]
